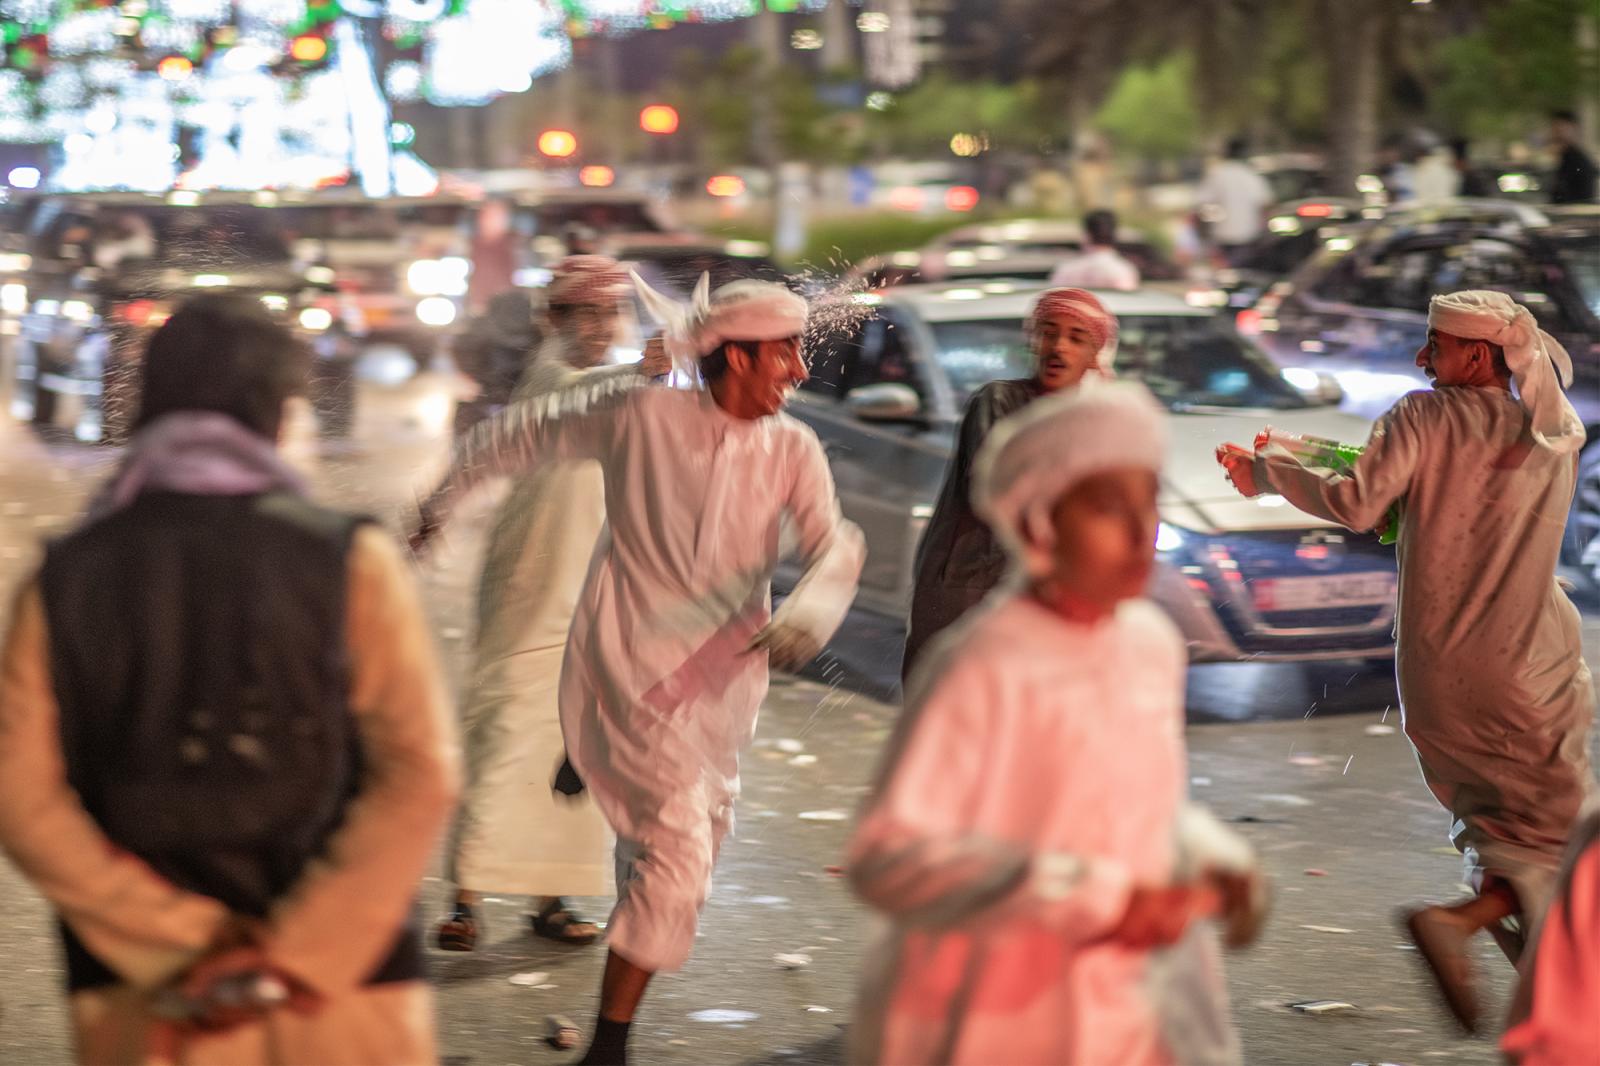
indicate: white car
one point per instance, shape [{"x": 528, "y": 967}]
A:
[{"x": 1243, "y": 579}]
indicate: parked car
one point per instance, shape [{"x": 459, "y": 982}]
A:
[
  {"x": 99, "y": 272},
  {"x": 1358, "y": 310},
  {"x": 1241, "y": 578}
]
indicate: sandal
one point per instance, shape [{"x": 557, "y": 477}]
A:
[
  {"x": 459, "y": 932},
  {"x": 555, "y": 922}
]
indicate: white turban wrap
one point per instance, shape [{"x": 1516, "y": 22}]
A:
[
  {"x": 1033, "y": 458},
  {"x": 739, "y": 311},
  {"x": 1540, "y": 366}
]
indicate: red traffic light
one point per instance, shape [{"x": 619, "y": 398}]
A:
[
  {"x": 659, "y": 118},
  {"x": 961, "y": 198}
]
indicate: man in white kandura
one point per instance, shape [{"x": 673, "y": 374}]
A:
[
  {"x": 514, "y": 835},
  {"x": 1495, "y": 694},
  {"x": 666, "y": 664}
]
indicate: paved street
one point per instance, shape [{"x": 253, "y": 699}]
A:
[{"x": 1309, "y": 764}]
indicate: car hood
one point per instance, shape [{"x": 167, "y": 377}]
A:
[{"x": 1195, "y": 492}]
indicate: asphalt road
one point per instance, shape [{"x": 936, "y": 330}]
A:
[{"x": 1306, "y": 763}]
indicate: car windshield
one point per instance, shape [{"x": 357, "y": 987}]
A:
[
  {"x": 1186, "y": 360},
  {"x": 1578, "y": 255}
]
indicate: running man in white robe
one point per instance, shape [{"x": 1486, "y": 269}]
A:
[
  {"x": 666, "y": 664},
  {"x": 1026, "y": 839},
  {"x": 514, "y": 836},
  {"x": 1494, "y": 691}
]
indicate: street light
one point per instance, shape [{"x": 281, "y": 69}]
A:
[
  {"x": 659, "y": 118},
  {"x": 558, "y": 144},
  {"x": 597, "y": 177}
]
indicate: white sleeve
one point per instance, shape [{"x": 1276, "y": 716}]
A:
[
  {"x": 831, "y": 546},
  {"x": 567, "y": 423}
]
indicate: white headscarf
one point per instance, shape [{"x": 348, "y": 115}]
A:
[
  {"x": 739, "y": 311},
  {"x": 1540, "y": 366},
  {"x": 1032, "y": 459}
]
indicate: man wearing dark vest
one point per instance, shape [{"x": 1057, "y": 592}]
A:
[{"x": 225, "y": 750}]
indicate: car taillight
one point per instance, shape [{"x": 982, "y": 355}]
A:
[{"x": 1248, "y": 322}]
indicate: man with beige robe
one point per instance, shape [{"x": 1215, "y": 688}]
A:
[
  {"x": 515, "y": 835},
  {"x": 1495, "y": 695}
]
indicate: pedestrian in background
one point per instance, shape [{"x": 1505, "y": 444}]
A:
[
  {"x": 668, "y": 656},
  {"x": 1576, "y": 176},
  {"x": 225, "y": 749},
  {"x": 515, "y": 836},
  {"x": 1026, "y": 837},
  {"x": 959, "y": 561},
  {"x": 1494, "y": 692},
  {"x": 1235, "y": 199},
  {"x": 1099, "y": 265}
]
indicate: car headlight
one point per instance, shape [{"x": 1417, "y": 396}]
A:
[
  {"x": 439, "y": 277},
  {"x": 14, "y": 298},
  {"x": 436, "y": 311},
  {"x": 1168, "y": 538},
  {"x": 316, "y": 319},
  {"x": 424, "y": 276}
]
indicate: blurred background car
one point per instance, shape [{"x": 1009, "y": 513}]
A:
[{"x": 102, "y": 271}]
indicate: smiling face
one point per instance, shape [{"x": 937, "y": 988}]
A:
[
  {"x": 761, "y": 385},
  {"x": 1064, "y": 350},
  {"x": 1452, "y": 361},
  {"x": 588, "y": 330}
]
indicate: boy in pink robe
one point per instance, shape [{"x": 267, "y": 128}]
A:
[{"x": 1023, "y": 839}]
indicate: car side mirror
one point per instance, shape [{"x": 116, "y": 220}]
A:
[{"x": 887, "y": 402}]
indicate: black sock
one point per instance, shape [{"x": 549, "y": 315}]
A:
[{"x": 609, "y": 1046}]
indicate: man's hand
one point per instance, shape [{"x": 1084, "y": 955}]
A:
[
  {"x": 1244, "y": 905},
  {"x": 199, "y": 985},
  {"x": 1157, "y": 915},
  {"x": 1240, "y": 464},
  {"x": 656, "y": 361},
  {"x": 787, "y": 647}
]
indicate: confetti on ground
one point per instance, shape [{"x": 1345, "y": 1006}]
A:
[
  {"x": 792, "y": 960},
  {"x": 1200, "y": 782},
  {"x": 825, "y": 816},
  {"x": 1322, "y": 1006},
  {"x": 1380, "y": 730},
  {"x": 1327, "y": 929},
  {"x": 803, "y": 760},
  {"x": 814, "y": 1009},
  {"x": 1307, "y": 760},
  {"x": 529, "y": 980},
  {"x": 561, "y": 1032},
  {"x": 724, "y": 1016},
  {"x": 1286, "y": 799},
  {"x": 790, "y": 746},
  {"x": 833, "y": 871},
  {"x": 1316, "y": 873},
  {"x": 770, "y": 901}
]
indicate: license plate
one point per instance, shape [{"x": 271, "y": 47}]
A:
[{"x": 1313, "y": 593}]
